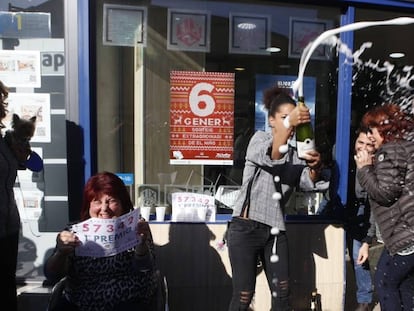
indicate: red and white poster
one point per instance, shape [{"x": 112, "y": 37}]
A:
[{"x": 201, "y": 117}]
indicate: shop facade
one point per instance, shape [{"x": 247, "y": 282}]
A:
[{"x": 104, "y": 79}]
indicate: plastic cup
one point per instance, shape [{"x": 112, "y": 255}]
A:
[
  {"x": 145, "y": 212},
  {"x": 160, "y": 213}
]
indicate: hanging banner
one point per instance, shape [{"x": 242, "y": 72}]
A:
[{"x": 201, "y": 117}]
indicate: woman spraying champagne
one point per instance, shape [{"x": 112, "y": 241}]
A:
[{"x": 257, "y": 230}]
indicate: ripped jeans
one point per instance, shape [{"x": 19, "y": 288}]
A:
[{"x": 248, "y": 242}]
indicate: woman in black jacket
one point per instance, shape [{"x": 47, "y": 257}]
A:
[
  {"x": 388, "y": 178},
  {"x": 9, "y": 214}
]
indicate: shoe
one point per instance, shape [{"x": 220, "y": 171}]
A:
[{"x": 363, "y": 307}]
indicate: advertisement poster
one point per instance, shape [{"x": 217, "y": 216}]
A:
[
  {"x": 201, "y": 117},
  {"x": 265, "y": 81},
  {"x": 28, "y": 105},
  {"x": 188, "y": 30},
  {"x": 20, "y": 68}
]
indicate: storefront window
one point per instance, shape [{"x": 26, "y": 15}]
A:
[
  {"x": 32, "y": 36},
  {"x": 133, "y": 85},
  {"x": 385, "y": 63},
  {"x": 382, "y": 72}
]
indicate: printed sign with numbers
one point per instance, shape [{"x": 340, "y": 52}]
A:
[
  {"x": 193, "y": 207},
  {"x": 107, "y": 237},
  {"x": 201, "y": 117}
]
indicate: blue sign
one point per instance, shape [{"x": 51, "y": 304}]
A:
[{"x": 127, "y": 178}]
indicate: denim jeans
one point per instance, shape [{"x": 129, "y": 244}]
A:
[
  {"x": 362, "y": 276},
  {"x": 394, "y": 282},
  {"x": 248, "y": 242}
]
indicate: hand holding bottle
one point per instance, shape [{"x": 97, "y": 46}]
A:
[
  {"x": 299, "y": 115},
  {"x": 305, "y": 140},
  {"x": 313, "y": 159}
]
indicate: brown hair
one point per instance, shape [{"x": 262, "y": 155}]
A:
[
  {"x": 4, "y": 93},
  {"x": 105, "y": 183},
  {"x": 274, "y": 97},
  {"x": 391, "y": 122}
]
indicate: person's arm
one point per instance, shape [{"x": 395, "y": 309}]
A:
[
  {"x": 56, "y": 265},
  {"x": 144, "y": 251},
  {"x": 281, "y": 133},
  {"x": 363, "y": 253},
  {"x": 385, "y": 180},
  {"x": 313, "y": 161}
]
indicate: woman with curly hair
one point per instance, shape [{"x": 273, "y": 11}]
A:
[
  {"x": 388, "y": 178},
  {"x": 257, "y": 231}
]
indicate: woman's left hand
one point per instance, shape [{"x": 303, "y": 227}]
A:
[
  {"x": 313, "y": 159},
  {"x": 143, "y": 230}
]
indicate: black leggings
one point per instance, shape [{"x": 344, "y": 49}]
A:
[{"x": 248, "y": 242}]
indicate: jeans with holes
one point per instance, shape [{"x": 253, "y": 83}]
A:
[
  {"x": 248, "y": 242},
  {"x": 394, "y": 282},
  {"x": 362, "y": 276}
]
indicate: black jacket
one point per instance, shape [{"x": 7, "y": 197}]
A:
[{"x": 390, "y": 187}]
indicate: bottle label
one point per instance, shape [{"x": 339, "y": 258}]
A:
[{"x": 305, "y": 146}]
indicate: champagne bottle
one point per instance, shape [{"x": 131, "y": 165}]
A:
[
  {"x": 313, "y": 302},
  {"x": 304, "y": 135}
]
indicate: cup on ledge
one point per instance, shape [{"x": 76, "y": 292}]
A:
[
  {"x": 160, "y": 213},
  {"x": 145, "y": 212}
]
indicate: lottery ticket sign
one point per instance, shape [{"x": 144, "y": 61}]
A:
[
  {"x": 107, "y": 237},
  {"x": 201, "y": 117},
  {"x": 193, "y": 207}
]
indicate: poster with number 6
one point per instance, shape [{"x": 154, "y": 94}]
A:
[{"x": 201, "y": 117}]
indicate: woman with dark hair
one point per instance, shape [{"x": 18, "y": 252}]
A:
[
  {"x": 388, "y": 179},
  {"x": 257, "y": 230},
  {"x": 125, "y": 281},
  {"x": 9, "y": 214}
]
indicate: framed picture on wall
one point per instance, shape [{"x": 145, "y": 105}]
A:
[
  {"x": 249, "y": 33},
  {"x": 124, "y": 25},
  {"x": 188, "y": 30},
  {"x": 304, "y": 31}
]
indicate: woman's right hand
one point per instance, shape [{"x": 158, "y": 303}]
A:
[
  {"x": 363, "y": 158},
  {"x": 67, "y": 241},
  {"x": 363, "y": 253}
]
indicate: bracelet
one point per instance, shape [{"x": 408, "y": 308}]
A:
[{"x": 286, "y": 122}]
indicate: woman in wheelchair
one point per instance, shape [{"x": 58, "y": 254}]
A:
[{"x": 125, "y": 281}]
